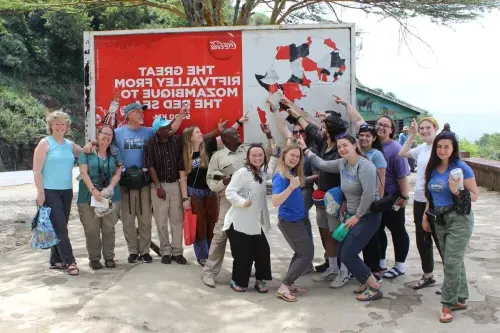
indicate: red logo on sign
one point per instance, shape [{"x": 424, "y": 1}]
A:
[{"x": 221, "y": 48}]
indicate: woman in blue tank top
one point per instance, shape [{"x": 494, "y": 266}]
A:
[{"x": 53, "y": 162}]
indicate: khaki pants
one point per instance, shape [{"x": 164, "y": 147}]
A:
[
  {"x": 218, "y": 245},
  {"x": 94, "y": 227},
  {"x": 137, "y": 243},
  {"x": 165, "y": 211}
]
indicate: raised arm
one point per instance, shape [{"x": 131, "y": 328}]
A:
[
  {"x": 180, "y": 117},
  {"x": 213, "y": 134},
  {"x": 405, "y": 149},
  {"x": 355, "y": 118}
]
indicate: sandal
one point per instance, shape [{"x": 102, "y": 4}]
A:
[
  {"x": 459, "y": 306},
  {"x": 72, "y": 269},
  {"x": 236, "y": 288},
  {"x": 370, "y": 294},
  {"x": 297, "y": 290},
  {"x": 393, "y": 273},
  {"x": 286, "y": 296},
  {"x": 260, "y": 286},
  {"x": 446, "y": 315},
  {"x": 57, "y": 265},
  {"x": 360, "y": 289},
  {"x": 424, "y": 282}
]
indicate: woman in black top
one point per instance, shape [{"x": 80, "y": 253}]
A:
[{"x": 196, "y": 152}]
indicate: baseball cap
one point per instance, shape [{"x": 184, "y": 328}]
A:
[
  {"x": 160, "y": 122},
  {"x": 133, "y": 106}
]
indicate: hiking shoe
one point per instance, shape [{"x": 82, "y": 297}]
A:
[
  {"x": 147, "y": 258},
  {"x": 340, "y": 279},
  {"x": 110, "y": 263},
  {"x": 95, "y": 264},
  {"x": 323, "y": 267},
  {"x": 179, "y": 259},
  {"x": 132, "y": 258},
  {"x": 327, "y": 275},
  {"x": 166, "y": 260}
]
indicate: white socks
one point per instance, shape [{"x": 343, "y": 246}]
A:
[
  {"x": 382, "y": 263},
  {"x": 333, "y": 264},
  {"x": 428, "y": 275},
  {"x": 343, "y": 268},
  {"x": 400, "y": 266}
]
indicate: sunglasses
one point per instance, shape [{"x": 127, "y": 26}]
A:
[
  {"x": 299, "y": 132},
  {"x": 367, "y": 127},
  {"x": 341, "y": 135}
]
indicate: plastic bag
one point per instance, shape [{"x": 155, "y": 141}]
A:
[
  {"x": 189, "y": 227},
  {"x": 103, "y": 211},
  {"x": 43, "y": 233},
  {"x": 342, "y": 230}
]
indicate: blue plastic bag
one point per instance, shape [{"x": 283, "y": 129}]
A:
[{"x": 43, "y": 234}]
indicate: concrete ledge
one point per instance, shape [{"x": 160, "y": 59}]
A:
[{"x": 487, "y": 172}]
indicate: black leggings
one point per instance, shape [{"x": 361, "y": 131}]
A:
[
  {"x": 424, "y": 239},
  {"x": 395, "y": 222}
]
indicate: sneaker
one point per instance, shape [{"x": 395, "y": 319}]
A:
[
  {"x": 202, "y": 262},
  {"x": 323, "y": 267},
  {"x": 340, "y": 279},
  {"x": 95, "y": 264},
  {"x": 147, "y": 258},
  {"x": 327, "y": 275},
  {"x": 110, "y": 263},
  {"x": 166, "y": 260},
  {"x": 208, "y": 281},
  {"x": 132, "y": 258},
  {"x": 179, "y": 259}
]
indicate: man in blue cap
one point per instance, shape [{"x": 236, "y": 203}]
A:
[
  {"x": 163, "y": 158},
  {"x": 136, "y": 198}
]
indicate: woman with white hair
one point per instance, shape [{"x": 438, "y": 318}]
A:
[{"x": 53, "y": 162}]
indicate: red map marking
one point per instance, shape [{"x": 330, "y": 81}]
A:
[
  {"x": 272, "y": 88},
  {"x": 262, "y": 115},
  {"x": 305, "y": 81},
  {"x": 342, "y": 68},
  {"x": 292, "y": 91},
  {"x": 309, "y": 41},
  {"x": 308, "y": 65},
  {"x": 322, "y": 76},
  {"x": 331, "y": 43},
  {"x": 283, "y": 53}
]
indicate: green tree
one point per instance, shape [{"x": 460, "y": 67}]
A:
[
  {"x": 211, "y": 12},
  {"x": 489, "y": 146},
  {"x": 470, "y": 147}
]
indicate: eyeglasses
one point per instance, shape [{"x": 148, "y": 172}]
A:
[
  {"x": 107, "y": 134},
  {"x": 298, "y": 132},
  {"x": 383, "y": 125}
]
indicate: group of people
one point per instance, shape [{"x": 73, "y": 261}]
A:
[{"x": 143, "y": 172}]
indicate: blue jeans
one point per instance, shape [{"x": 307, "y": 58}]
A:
[{"x": 354, "y": 243}]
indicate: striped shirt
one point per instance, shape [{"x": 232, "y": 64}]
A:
[{"x": 165, "y": 157}]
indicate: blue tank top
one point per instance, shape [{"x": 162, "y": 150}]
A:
[{"x": 57, "y": 170}]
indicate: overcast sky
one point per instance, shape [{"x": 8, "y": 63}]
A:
[{"x": 457, "y": 81}]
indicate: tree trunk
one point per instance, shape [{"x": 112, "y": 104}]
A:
[{"x": 194, "y": 12}]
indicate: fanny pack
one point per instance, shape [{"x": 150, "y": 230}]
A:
[
  {"x": 318, "y": 197},
  {"x": 134, "y": 179}
]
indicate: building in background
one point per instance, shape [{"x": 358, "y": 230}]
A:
[{"x": 373, "y": 104}]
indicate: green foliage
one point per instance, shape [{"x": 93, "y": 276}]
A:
[
  {"x": 470, "y": 147},
  {"x": 13, "y": 52},
  {"x": 489, "y": 146}
]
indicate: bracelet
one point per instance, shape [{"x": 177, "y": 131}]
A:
[
  {"x": 304, "y": 150},
  {"x": 298, "y": 118},
  {"x": 239, "y": 122}
]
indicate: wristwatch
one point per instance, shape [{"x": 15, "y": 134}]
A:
[
  {"x": 405, "y": 198},
  {"x": 185, "y": 199}
]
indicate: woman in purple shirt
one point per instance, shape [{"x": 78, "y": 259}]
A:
[{"x": 396, "y": 185}]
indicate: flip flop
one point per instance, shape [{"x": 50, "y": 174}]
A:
[
  {"x": 287, "y": 296},
  {"x": 459, "y": 307},
  {"x": 234, "y": 286},
  {"x": 393, "y": 273},
  {"x": 424, "y": 282},
  {"x": 446, "y": 316},
  {"x": 297, "y": 290},
  {"x": 360, "y": 289}
]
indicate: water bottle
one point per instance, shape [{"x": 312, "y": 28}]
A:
[{"x": 458, "y": 174}]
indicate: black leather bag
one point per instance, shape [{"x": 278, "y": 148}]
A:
[
  {"x": 463, "y": 203},
  {"x": 383, "y": 205}
]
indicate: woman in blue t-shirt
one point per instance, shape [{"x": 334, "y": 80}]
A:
[
  {"x": 100, "y": 173},
  {"x": 287, "y": 180},
  {"x": 453, "y": 229}
]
